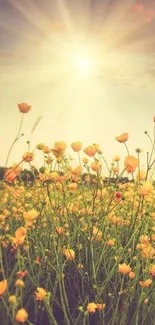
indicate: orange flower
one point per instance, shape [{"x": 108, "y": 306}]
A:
[
  {"x": 21, "y": 274},
  {"x": 124, "y": 268},
  {"x": 59, "y": 148},
  {"x": 46, "y": 149},
  {"x": 115, "y": 169},
  {"x": 148, "y": 252},
  {"x": 20, "y": 235},
  {"x": 91, "y": 307},
  {"x": 91, "y": 150},
  {"x": 77, "y": 171},
  {"x": 76, "y": 146},
  {"x": 95, "y": 166},
  {"x": 131, "y": 163},
  {"x": 28, "y": 156},
  {"x": 72, "y": 186},
  {"x": 111, "y": 242},
  {"x": 21, "y": 315},
  {"x": 69, "y": 254},
  {"x": 132, "y": 275},
  {"x": 38, "y": 260},
  {"x": 60, "y": 230},
  {"x": 145, "y": 283},
  {"x": 3, "y": 287},
  {"x": 24, "y": 108},
  {"x": 122, "y": 138},
  {"x": 10, "y": 175},
  {"x": 100, "y": 306},
  {"x": 40, "y": 294},
  {"x": 152, "y": 270}
]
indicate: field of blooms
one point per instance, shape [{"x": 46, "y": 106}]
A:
[{"x": 76, "y": 248}]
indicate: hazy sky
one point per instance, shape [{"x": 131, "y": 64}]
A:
[{"x": 40, "y": 43}]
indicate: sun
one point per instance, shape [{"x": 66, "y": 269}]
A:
[{"x": 83, "y": 63}]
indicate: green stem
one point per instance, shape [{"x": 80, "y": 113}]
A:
[{"x": 15, "y": 140}]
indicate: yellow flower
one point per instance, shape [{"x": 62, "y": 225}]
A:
[
  {"x": 12, "y": 299},
  {"x": 124, "y": 268},
  {"x": 85, "y": 160},
  {"x": 146, "y": 188},
  {"x": 28, "y": 156},
  {"x": 141, "y": 175},
  {"x": 46, "y": 149},
  {"x": 122, "y": 138},
  {"x": 21, "y": 315},
  {"x": 40, "y": 146},
  {"x": 148, "y": 252},
  {"x": 91, "y": 307},
  {"x": 59, "y": 148},
  {"x": 30, "y": 215},
  {"x": 116, "y": 158},
  {"x": 40, "y": 294},
  {"x": 76, "y": 146},
  {"x": 69, "y": 254},
  {"x": 3, "y": 287},
  {"x": 24, "y": 108},
  {"x": 19, "y": 283}
]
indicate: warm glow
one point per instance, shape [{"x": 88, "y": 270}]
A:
[{"x": 83, "y": 63}]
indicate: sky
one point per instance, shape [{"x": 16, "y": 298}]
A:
[{"x": 87, "y": 68}]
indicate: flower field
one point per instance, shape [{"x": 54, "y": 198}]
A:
[{"x": 76, "y": 247}]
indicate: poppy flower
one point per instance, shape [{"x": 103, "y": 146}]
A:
[
  {"x": 59, "y": 149},
  {"x": 131, "y": 163},
  {"x": 3, "y": 287},
  {"x": 122, "y": 138},
  {"x": 91, "y": 307},
  {"x": 145, "y": 283},
  {"x": 40, "y": 294},
  {"x": 77, "y": 171},
  {"x": 21, "y": 315},
  {"x": 91, "y": 150},
  {"x": 95, "y": 166},
  {"x": 28, "y": 156},
  {"x": 76, "y": 146},
  {"x": 124, "y": 268},
  {"x": 69, "y": 254},
  {"x": 10, "y": 175},
  {"x": 24, "y": 108}
]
